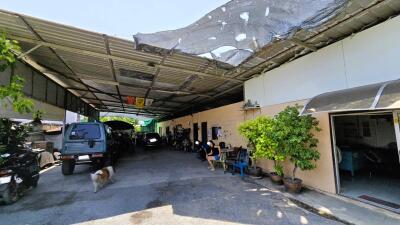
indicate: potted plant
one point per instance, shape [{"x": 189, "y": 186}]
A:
[
  {"x": 267, "y": 147},
  {"x": 37, "y": 121},
  {"x": 37, "y": 117},
  {"x": 251, "y": 130},
  {"x": 297, "y": 139}
]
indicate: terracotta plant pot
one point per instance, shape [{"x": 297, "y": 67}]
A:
[
  {"x": 293, "y": 186},
  {"x": 277, "y": 179},
  {"x": 256, "y": 172}
]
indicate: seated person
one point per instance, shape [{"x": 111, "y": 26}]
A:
[{"x": 213, "y": 155}]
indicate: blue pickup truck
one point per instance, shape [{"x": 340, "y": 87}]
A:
[{"x": 86, "y": 143}]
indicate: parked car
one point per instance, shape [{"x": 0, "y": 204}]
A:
[
  {"x": 151, "y": 140},
  {"x": 123, "y": 135},
  {"x": 87, "y": 143}
]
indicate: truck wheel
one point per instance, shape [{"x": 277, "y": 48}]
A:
[
  {"x": 10, "y": 195},
  {"x": 68, "y": 167}
]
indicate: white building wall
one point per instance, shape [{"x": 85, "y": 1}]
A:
[
  {"x": 50, "y": 112},
  {"x": 368, "y": 57}
]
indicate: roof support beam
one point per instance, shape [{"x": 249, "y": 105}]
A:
[
  {"x": 29, "y": 51},
  {"x": 136, "y": 113},
  {"x": 53, "y": 73},
  {"x": 156, "y": 108},
  {"x": 112, "y": 68},
  {"x": 30, "y": 28},
  {"x": 136, "y": 109},
  {"x": 303, "y": 44},
  {"x": 214, "y": 97},
  {"x": 155, "y": 76},
  {"x": 94, "y": 79},
  {"x": 121, "y": 59},
  {"x": 187, "y": 85},
  {"x": 113, "y": 95}
]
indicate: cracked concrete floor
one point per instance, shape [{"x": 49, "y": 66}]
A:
[{"x": 157, "y": 186}]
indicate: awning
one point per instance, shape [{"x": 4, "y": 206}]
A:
[{"x": 370, "y": 97}]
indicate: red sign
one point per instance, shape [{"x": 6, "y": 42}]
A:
[{"x": 130, "y": 100}]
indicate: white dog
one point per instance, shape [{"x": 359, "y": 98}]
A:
[{"x": 102, "y": 177}]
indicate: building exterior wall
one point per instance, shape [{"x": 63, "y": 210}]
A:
[
  {"x": 50, "y": 112},
  {"x": 322, "y": 177},
  {"x": 368, "y": 57},
  {"x": 227, "y": 117}
]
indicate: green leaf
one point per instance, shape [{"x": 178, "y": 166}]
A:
[{"x": 14, "y": 90}]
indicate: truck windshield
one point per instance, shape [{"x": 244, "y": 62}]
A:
[{"x": 85, "y": 132}]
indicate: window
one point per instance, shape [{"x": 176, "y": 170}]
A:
[
  {"x": 85, "y": 132},
  {"x": 215, "y": 132}
]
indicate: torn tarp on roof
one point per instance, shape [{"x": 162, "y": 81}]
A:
[{"x": 232, "y": 32}]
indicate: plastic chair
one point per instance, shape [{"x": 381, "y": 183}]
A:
[{"x": 242, "y": 162}]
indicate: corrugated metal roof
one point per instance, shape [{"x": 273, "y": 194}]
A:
[
  {"x": 175, "y": 80},
  {"x": 81, "y": 60}
]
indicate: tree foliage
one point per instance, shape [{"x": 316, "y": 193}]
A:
[
  {"x": 13, "y": 91},
  {"x": 120, "y": 118},
  {"x": 251, "y": 130},
  {"x": 286, "y": 135},
  {"x": 12, "y": 136},
  {"x": 260, "y": 134},
  {"x": 296, "y": 136}
]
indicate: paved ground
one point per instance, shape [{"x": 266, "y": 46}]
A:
[{"x": 155, "y": 187}]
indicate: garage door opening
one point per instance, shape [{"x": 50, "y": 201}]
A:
[{"x": 367, "y": 158}]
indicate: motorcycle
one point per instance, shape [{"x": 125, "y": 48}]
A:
[
  {"x": 201, "y": 150},
  {"x": 182, "y": 140},
  {"x": 186, "y": 145},
  {"x": 20, "y": 173}
]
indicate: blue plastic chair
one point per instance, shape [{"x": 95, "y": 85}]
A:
[{"x": 242, "y": 162}]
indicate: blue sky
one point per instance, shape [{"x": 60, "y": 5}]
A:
[{"x": 121, "y": 18}]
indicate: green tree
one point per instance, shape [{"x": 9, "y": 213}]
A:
[
  {"x": 295, "y": 134},
  {"x": 251, "y": 130},
  {"x": 267, "y": 145},
  {"x": 260, "y": 134},
  {"x": 12, "y": 135},
  {"x": 120, "y": 118},
  {"x": 13, "y": 91}
]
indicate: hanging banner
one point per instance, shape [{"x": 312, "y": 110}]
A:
[
  {"x": 139, "y": 102},
  {"x": 130, "y": 100},
  {"x": 149, "y": 101}
]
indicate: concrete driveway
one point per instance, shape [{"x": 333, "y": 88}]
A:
[{"x": 154, "y": 187}]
